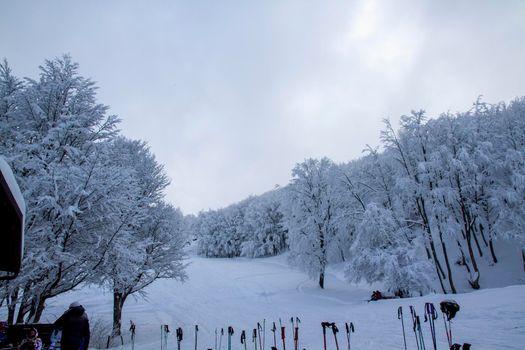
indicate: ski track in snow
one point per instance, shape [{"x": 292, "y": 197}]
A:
[{"x": 241, "y": 292}]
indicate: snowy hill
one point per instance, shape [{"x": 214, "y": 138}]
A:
[{"x": 242, "y": 292}]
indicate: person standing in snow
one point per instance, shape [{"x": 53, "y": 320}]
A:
[{"x": 74, "y": 324}]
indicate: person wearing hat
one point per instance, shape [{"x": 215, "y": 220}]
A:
[
  {"x": 74, "y": 324},
  {"x": 31, "y": 341}
]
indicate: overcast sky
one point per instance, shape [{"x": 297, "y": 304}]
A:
[{"x": 230, "y": 95}]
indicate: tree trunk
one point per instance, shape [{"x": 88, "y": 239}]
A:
[
  {"x": 482, "y": 234},
  {"x": 32, "y": 311},
  {"x": 447, "y": 262},
  {"x": 471, "y": 252},
  {"x": 477, "y": 242},
  {"x": 473, "y": 277},
  {"x": 428, "y": 232},
  {"x": 463, "y": 258},
  {"x": 322, "y": 261},
  {"x": 523, "y": 256},
  {"x": 492, "y": 253},
  {"x": 321, "y": 280},
  {"x": 25, "y": 305},
  {"x": 440, "y": 279},
  {"x": 39, "y": 309},
  {"x": 118, "y": 303},
  {"x": 11, "y": 306}
]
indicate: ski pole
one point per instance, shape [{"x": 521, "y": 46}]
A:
[
  {"x": 400, "y": 317},
  {"x": 264, "y": 334},
  {"x": 132, "y": 330},
  {"x": 448, "y": 330},
  {"x": 254, "y": 338},
  {"x": 349, "y": 328},
  {"x": 335, "y": 330},
  {"x": 259, "y": 329},
  {"x": 243, "y": 339},
  {"x": 220, "y": 339},
  {"x": 430, "y": 316},
  {"x": 196, "y": 332},
  {"x": 274, "y": 329},
  {"x": 296, "y": 336},
  {"x": 164, "y": 330},
  {"x": 282, "y": 334},
  {"x": 165, "y": 337},
  {"x": 230, "y": 333},
  {"x": 216, "y": 335},
  {"x": 296, "y": 332},
  {"x": 417, "y": 329},
  {"x": 420, "y": 330},
  {"x": 324, "y": 325},
  {"x": 414, "y": 324},
  {"x": 178, "y": 332}
]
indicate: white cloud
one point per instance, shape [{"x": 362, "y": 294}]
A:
[{"x": 231, "y": 94}]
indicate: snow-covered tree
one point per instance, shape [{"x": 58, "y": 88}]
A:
[
  {"x": 57, "y": 129},
  {"x": 384, "y": 251},
  {"x": 85, "y": 190},
  {"x": 451, "y": 186},
  {"x": 150, "y": 240},
  {"x": 310, "y": 220},
  {"x": 264, "y": 228},
  {"x": 220, "y": 232}
]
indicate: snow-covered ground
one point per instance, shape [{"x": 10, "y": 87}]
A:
[{"x": 241, "y": 292}]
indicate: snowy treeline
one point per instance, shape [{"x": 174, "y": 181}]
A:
[
  {"x": 95, "y": 203},
  {"x": 252, "y": 228},
  {"x": 427, "y": 207}
]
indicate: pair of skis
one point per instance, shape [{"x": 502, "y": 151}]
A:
[{"x": 349, "y": 329}]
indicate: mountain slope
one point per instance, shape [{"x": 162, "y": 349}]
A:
[{"x": 242, "y": 292}]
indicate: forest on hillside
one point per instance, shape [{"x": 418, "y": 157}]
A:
[{"x": 429, "y": 205}]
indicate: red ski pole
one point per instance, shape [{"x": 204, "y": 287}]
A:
[
  {"x": 296, "y": 332},
  {"x": 335, "y": 330},
  {"x": 324, "y": 325},
  {"x": 282, "y": 334}
]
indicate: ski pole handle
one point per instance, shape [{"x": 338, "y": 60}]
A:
[
  {"x": 324, "y": 325},
  {"x": 196, "y": 331},
  {"x": 334, "y": 328}
]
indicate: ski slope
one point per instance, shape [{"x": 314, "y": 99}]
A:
[{"x": 241, "y": 292}]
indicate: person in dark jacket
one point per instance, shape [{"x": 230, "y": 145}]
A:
[{"x": 74, "y": 324}]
